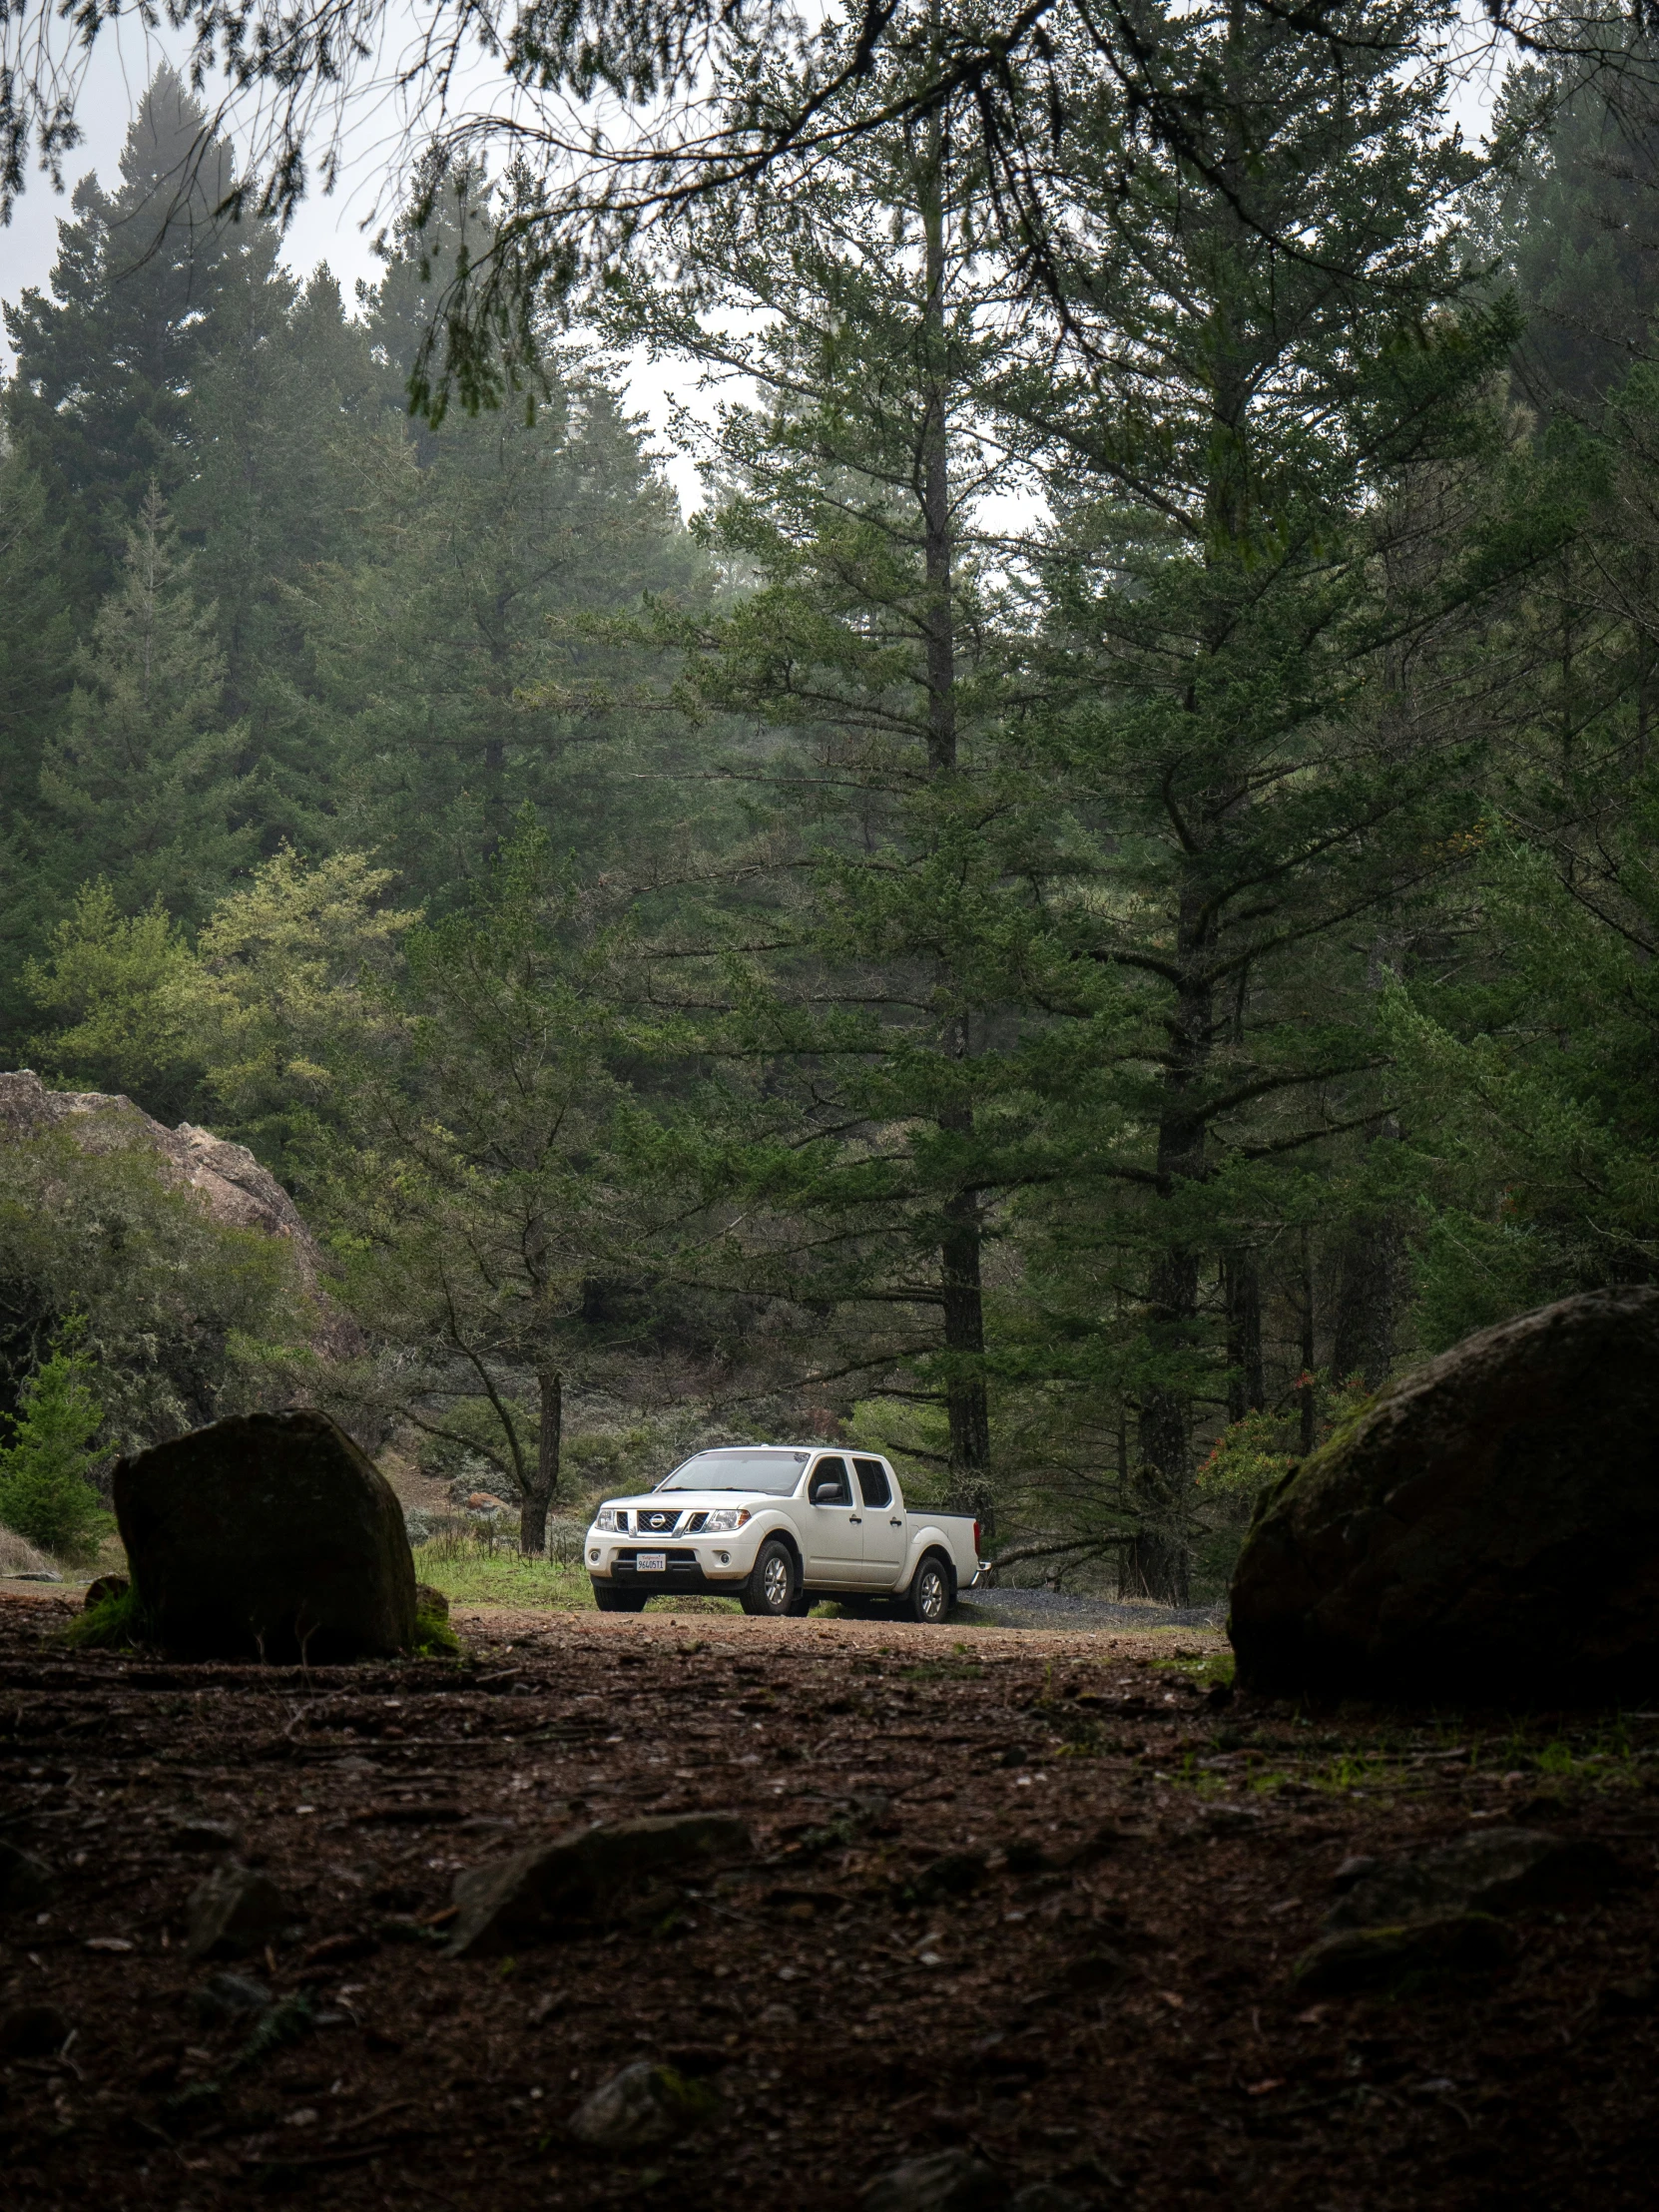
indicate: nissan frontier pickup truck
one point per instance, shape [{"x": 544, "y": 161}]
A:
[{"x": 780, "y": 1526}]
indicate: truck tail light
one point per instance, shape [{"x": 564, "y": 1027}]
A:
[{"x": 976, "y": 1539}]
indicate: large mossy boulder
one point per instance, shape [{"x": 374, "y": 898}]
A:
[
  {"x": 1488, "y": 1530},
  {"x": 268, "y": 1537}
]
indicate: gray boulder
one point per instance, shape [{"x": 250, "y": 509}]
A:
[
  {"x": 583, "y": 1877},
  {"x": 272, "y": 1536},
  {"x": 1489, "y": 1530}
]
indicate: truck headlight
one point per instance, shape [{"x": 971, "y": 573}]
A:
[
  {"x": 724, "y": 1519},
  {"x": 606, "y": 1519}
]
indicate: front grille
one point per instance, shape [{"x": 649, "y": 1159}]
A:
[{"x": 656, "y": 1520}]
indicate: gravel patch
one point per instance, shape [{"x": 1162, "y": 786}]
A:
[{"x": 1066, "y": 1609}]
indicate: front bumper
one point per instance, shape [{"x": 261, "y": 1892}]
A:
[{"x": 690, "y": 1567}]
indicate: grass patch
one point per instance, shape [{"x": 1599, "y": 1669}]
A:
[
  {"x": 469, "y": 1574},
  {"x": 117, "y": 1623},
  {"x": 1214, "y": 1669},
  {"x": 476, "y": 1574}
]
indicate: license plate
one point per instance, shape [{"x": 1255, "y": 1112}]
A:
[{"x": 652, "y": 1562}]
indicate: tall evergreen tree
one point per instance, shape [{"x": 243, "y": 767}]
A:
[
  {"x": 144, "y": 784},
  {"x": 100, "y": 403},
  {"x": 479, "y": 545},
  {"x": 1268, "y": 348},
  {"x": 883, "y": 938}
]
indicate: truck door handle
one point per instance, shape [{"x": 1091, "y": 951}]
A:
[
  {"x": 895, "y": 1524},
  {"x": 854, "y": 1520}
]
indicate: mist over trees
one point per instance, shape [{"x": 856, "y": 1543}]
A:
[{"x": 1096, "y": 901}]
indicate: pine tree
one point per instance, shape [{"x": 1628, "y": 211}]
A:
[
  {"x": 44, "y": 1491},
  {"x": 290, "y": 384},
  {"x": 888, "y": 973},
  {"x": 36, "y": 673},
  {"x": 100, "y": 403},
  {"x": 1231, "y": 460},
  {"x": 143, "y": 787},
  {"x": 481, "y": 543}
]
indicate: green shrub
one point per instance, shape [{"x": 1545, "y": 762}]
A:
[
  {"x": 44, "y": 1491},
  {"x": 116, "y": 1623}
]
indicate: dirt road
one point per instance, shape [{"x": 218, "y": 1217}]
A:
[{"x": 1024, "y": 1891}]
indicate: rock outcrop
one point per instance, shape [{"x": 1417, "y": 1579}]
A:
[
  {"x": 1488, "y": 1530},
  {"x": 236, "y": 1190},
  {"x": 270, "y": 1535}
]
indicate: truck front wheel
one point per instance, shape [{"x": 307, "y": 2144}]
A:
[
  {"x": 771, "y": 1585},
  {"x": 928, "y": 1598}
]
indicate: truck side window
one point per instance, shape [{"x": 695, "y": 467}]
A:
[
  {"x": 830, "y": 1484},
  {"x": 872, "y": 1481}
]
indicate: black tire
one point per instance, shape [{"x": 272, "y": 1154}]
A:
[
  {"x": 930, "y": 1596},
  {"x": 616, "y": 1597},
  {"x": 770, "y": 1588}
]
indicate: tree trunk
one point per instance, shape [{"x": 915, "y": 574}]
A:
[
  {"x": 1156, "y": 1560},
  {"x": 966, "y": 1407},
  {"x": 1246, "y": 1389},
  {"x": 965, "y": 1344},
  {"x": 1363, "y": 1327},
  {"x": 1310, "y": 1410},
  {"x": 532, "y": 1519}
]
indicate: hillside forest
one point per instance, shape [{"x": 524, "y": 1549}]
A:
[{"x": 1095, "y": 901}]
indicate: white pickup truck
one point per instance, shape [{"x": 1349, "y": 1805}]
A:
[{"x": 780, "y": 1526}]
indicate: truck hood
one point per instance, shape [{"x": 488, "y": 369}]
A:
[{"x": 690, "y": 1501}]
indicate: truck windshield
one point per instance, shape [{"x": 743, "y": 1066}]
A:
[{"x": 774, "y": 1472}]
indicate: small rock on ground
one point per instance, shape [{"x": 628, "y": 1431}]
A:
[
  {"x": 25, "y": 1880},
  {"x": 948, "y": 2181},
  {"x": 228, "y": 1997},
  {"x": 1493, "y": 1870},
  {"x": 579, "y": 1878},
  {"x": 233, "y": 1911},
  {"x": 643, "y": 2105},
  {"x": 1370, "y": 1957}
]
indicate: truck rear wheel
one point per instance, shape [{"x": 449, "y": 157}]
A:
[
  {"x": 929, "y": 1597},
  {"x": 771, "y": 1585},
  {"x": 614, "y": 1597}
]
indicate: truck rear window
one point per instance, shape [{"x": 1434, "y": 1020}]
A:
[{"x": 872, "y": 1481}]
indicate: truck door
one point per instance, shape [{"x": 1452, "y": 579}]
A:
[
  {"x": 833, "y": 1533},
  {"x": 884, "y": 1532}
]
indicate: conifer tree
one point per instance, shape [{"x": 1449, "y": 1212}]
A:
[
  {"x": 143, "y": 786},
  {"x": 479, "y": 544},
  {"x": 1232, "y": 439},
  {"x": 887, "y": 978},
  {"x": 100, "y": 402}
]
